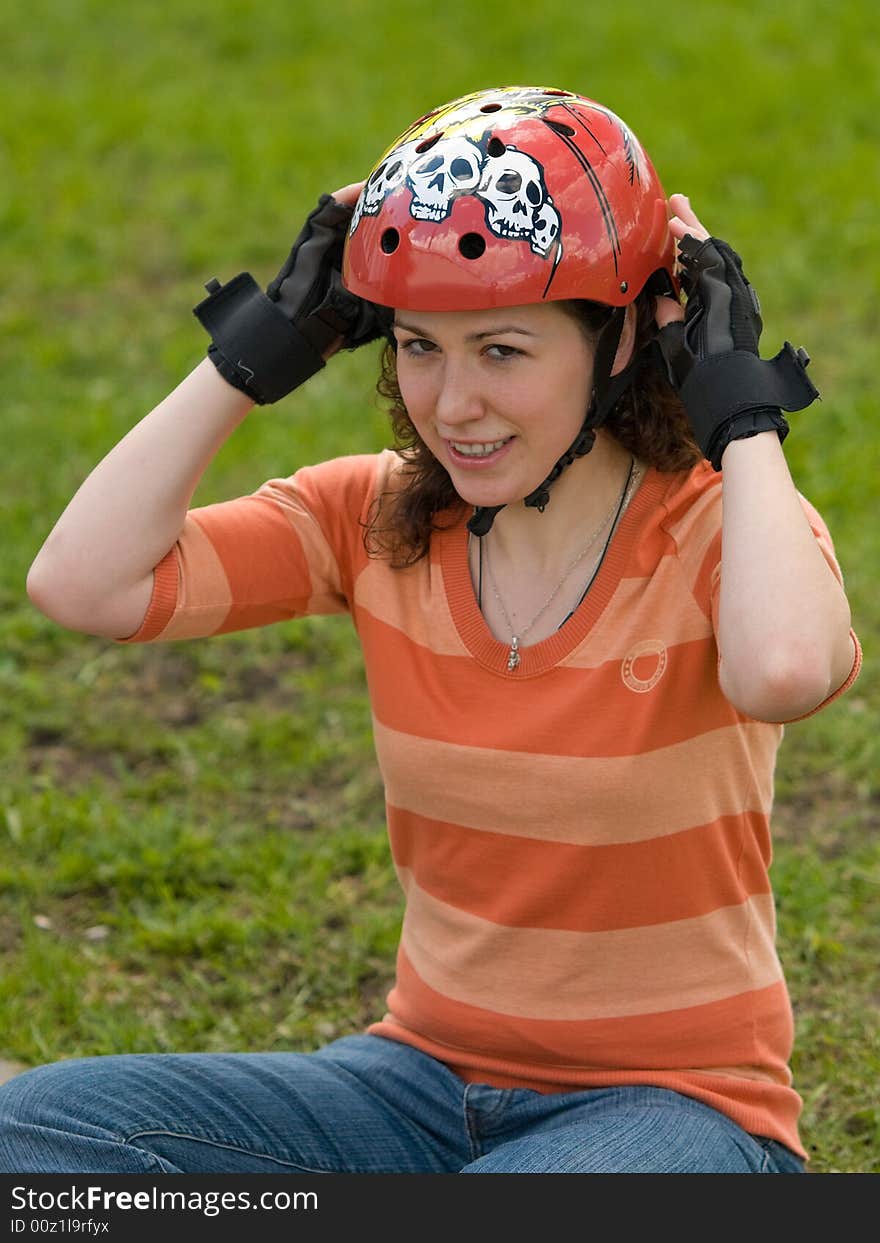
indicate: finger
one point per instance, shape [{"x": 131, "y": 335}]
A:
[
  {"x": 348, "y": 194},
  {"x": 667, "y": 311},
  {"x": 680, "y": 205},
  {"x": 683, "y": 219},
  {"x": 679, "y": 229}
]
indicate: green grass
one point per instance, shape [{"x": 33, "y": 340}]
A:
[{"x": 194, "y": 851}]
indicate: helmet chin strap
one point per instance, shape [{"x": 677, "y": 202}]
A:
[{"x": 607, "y": 389}]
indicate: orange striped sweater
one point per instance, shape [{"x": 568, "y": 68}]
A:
[{"x": 583, "y": 843}]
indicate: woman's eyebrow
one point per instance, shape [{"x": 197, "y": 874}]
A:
[{"x": 497, "y": 331}]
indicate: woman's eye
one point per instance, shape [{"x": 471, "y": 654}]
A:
[{"x": 417, "y": 346}]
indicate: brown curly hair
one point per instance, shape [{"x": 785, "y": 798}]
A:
[{"x": 648, "y": 420}]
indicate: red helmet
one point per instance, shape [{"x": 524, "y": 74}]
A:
[{"x": 508, "y": 197}]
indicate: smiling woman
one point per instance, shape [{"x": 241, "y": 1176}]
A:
[
  {"x": 497, "y": 401},
  {"x": 587, "y": 594}
]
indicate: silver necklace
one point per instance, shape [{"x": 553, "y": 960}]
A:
[{"x": 513, "y": 656}]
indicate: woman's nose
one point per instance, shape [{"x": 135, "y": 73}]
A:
[{"x": 459, "y": 400}]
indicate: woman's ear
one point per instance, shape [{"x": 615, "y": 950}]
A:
[{"x": 627, "y": 340}]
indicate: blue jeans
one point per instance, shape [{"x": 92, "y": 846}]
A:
[{"x": 360, "y": 1105}]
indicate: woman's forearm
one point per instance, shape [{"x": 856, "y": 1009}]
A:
[
  {"x": 94, "y": 572},
  {"x": 784, "y": 621}
]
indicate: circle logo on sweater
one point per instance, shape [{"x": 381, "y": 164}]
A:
[{"x": 644, "y": 665}]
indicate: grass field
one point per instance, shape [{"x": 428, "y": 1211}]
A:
[{"x": 193, "y": 837}]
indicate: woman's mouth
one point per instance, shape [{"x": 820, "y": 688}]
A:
[{"x": 475, "y": 452}]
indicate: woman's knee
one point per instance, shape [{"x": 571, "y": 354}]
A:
[
  {"x": 82, "y": 1094},
  {"x": 73, "y": 1116},
  {"x": 34, "y": 1095}
]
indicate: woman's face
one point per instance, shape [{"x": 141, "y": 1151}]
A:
[{"x": 497, "y": 396}]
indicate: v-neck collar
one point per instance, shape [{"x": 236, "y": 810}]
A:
[{"x": 450, "y": 550}]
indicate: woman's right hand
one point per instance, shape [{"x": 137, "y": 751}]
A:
[
  {"x": 94, "y": 573},
  {"x": 348, "y": 194},
  {"x": 268, "y": 344},
  {"x": 309, "y": 286}
]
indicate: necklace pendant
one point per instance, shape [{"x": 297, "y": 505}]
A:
[{"x": 513, "y": 655}]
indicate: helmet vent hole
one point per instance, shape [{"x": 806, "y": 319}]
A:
[
  {"x": 491, "y": 108},
  {"x": 560, "y": 127},
  {"x": 471, "y": 245},
  {"x": 390, "y": 241},
  {"x": 428, "y": 143},
  {"x": 564, "y": 93},
  {"x": 495, "y": 147}
]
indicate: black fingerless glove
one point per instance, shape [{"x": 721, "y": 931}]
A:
[
  {"x": 267, "y": 344},
  {"x": 712, "y": 360}
]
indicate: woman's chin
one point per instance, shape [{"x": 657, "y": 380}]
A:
[
  {"x": 489, "y": 482},
  {"x": 485, "y": 498}
]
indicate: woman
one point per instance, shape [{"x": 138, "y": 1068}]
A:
[{"x": 578, "y": 666}]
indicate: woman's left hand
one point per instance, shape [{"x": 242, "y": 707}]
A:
[
  {"x": 682, "y": 221},
  {"x": 711, "y": 345}
]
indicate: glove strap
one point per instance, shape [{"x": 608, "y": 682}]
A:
[
  {"x": 723, "y": 388},
  {"x": 742, "y": 427},
  {"x": 255, "y": 340}
]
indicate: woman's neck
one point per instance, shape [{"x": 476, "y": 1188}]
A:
[{"x": 582, "y": 496}]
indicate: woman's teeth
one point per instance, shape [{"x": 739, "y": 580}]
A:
[{"x": 478, "y": 450}]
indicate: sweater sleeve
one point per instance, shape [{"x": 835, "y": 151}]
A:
[{"x": 291, "y": 549}]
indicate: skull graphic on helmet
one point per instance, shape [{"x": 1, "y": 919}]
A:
[
  {"x": 450, "y": 167},
  {"x": 509, "y": 183},
  {"x": 389, "y": 174},
  {"x": 513, "y": 190}
]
